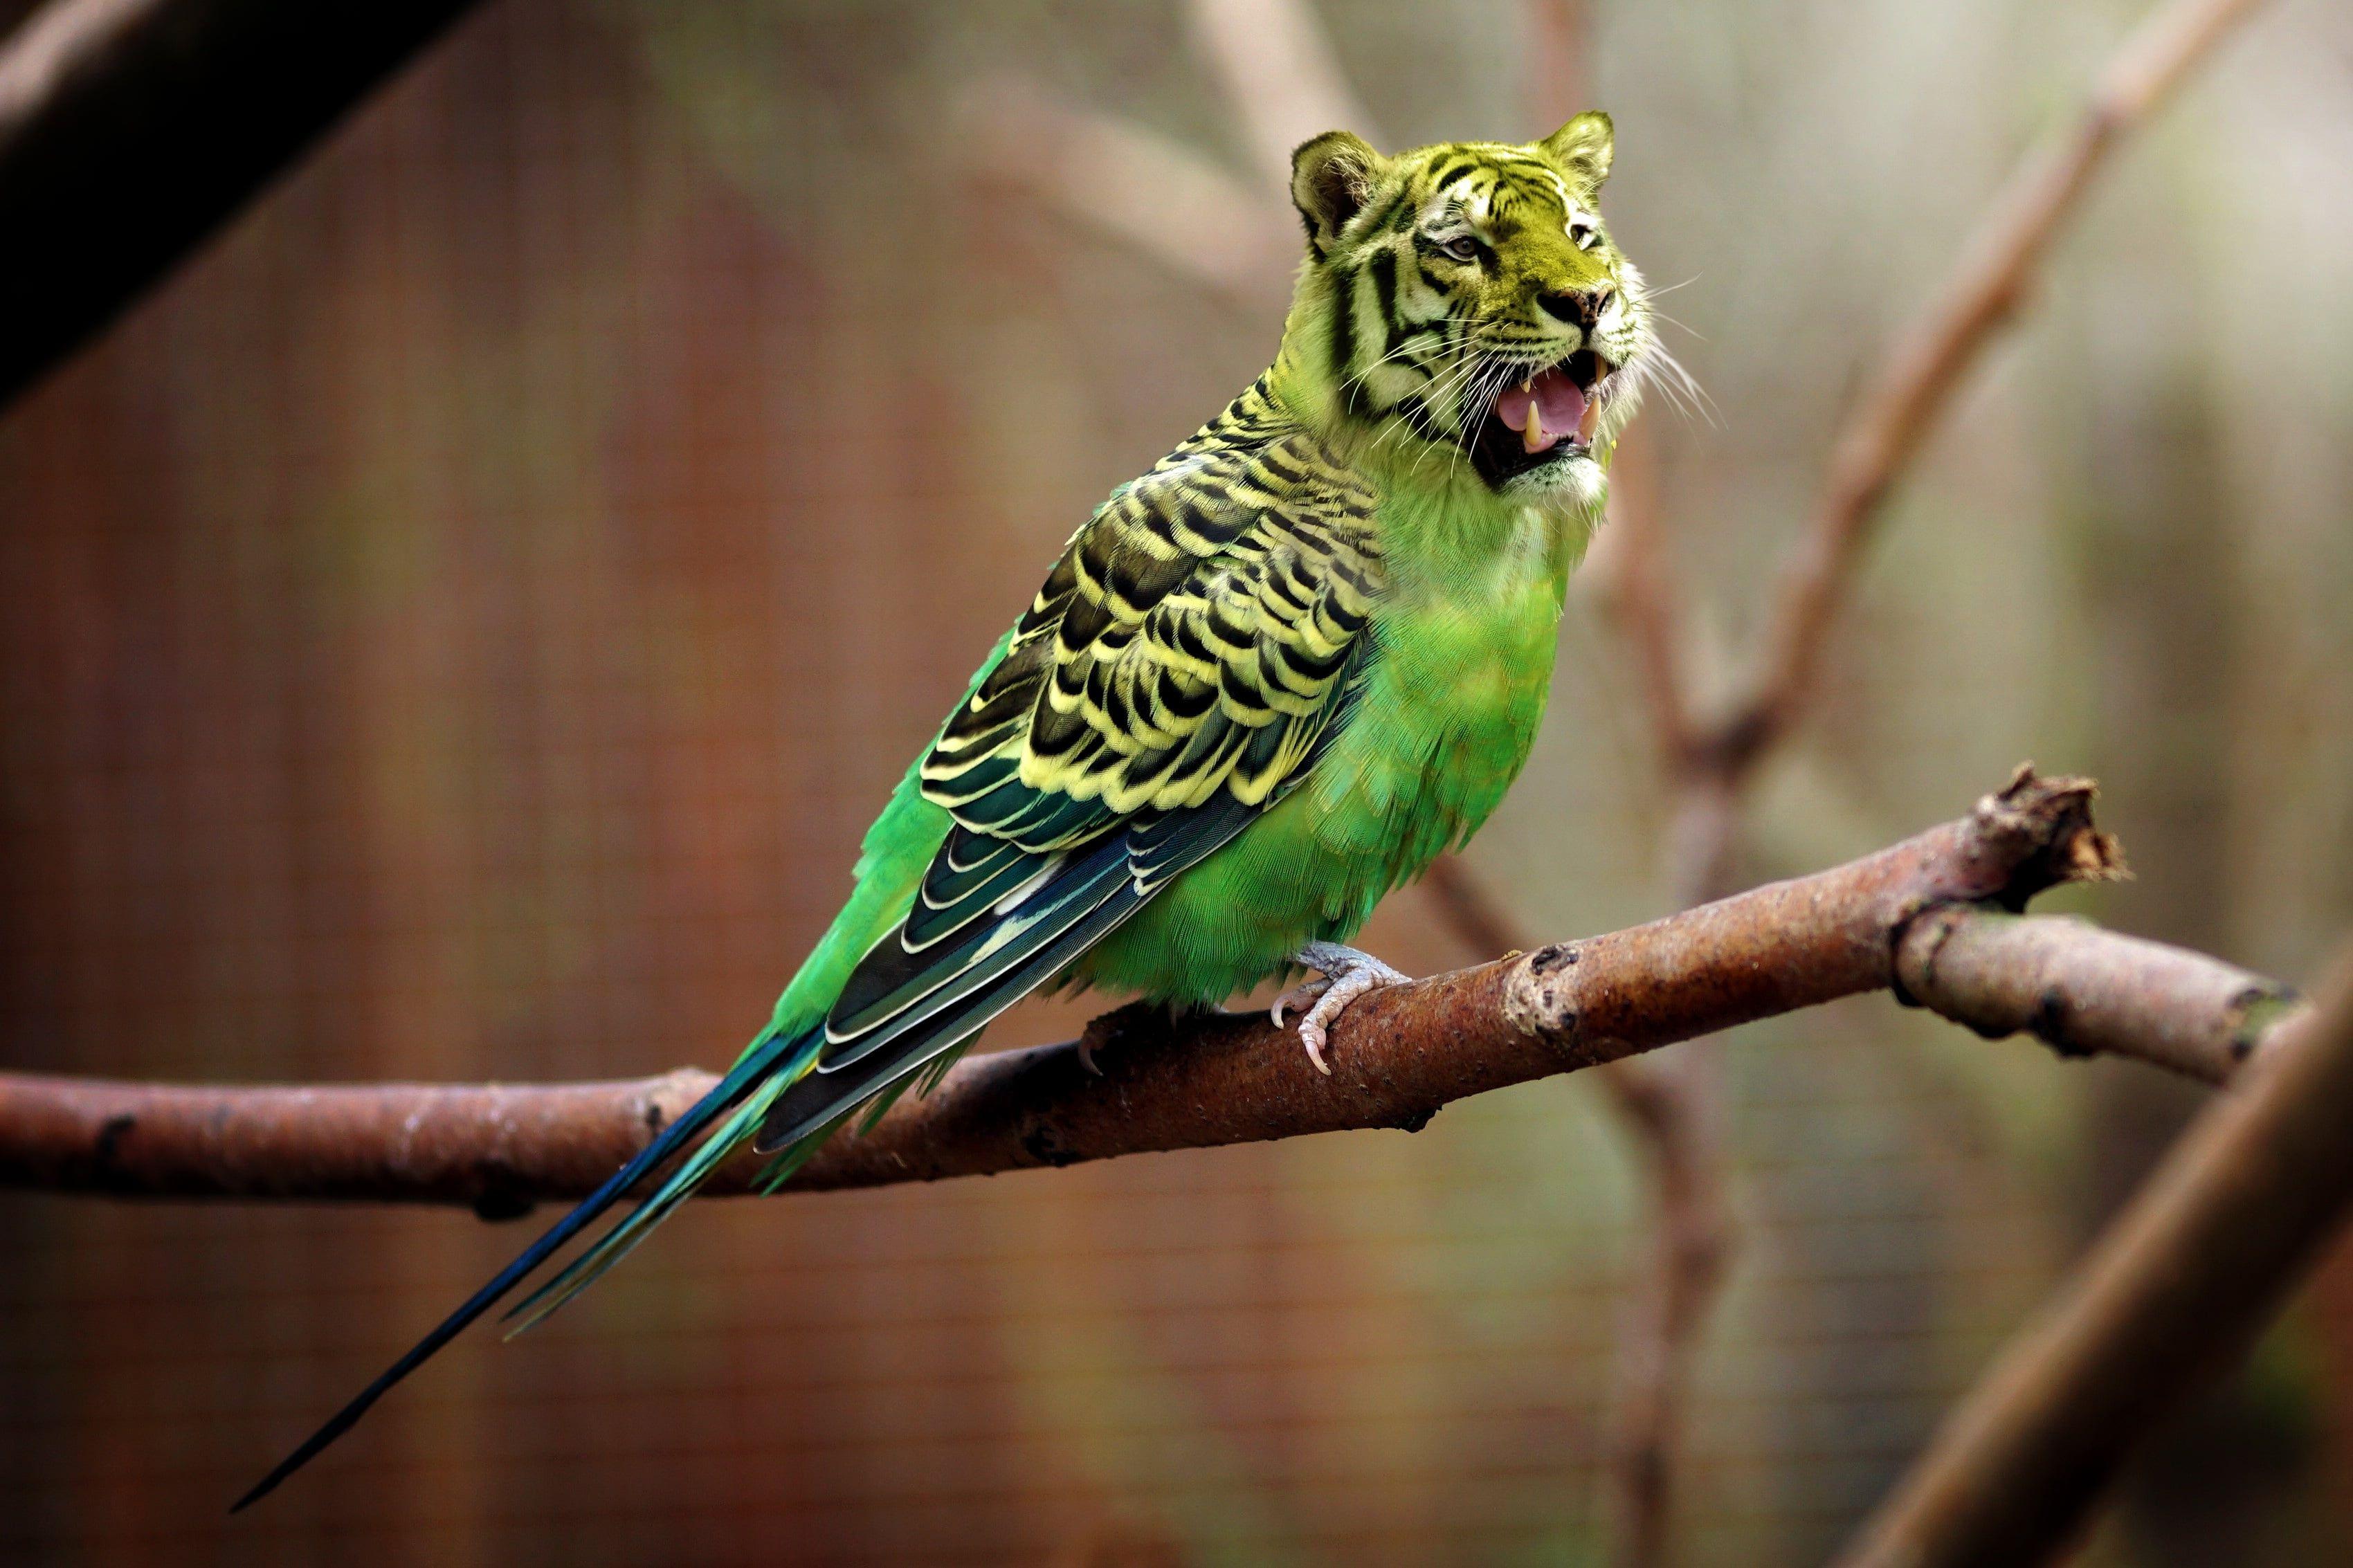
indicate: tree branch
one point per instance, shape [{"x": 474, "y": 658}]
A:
[
  {"x": 1159, "y": 194},
  {"x": 1915, "y": 385},
  {"x": 1281, "y": 78},
  {"x": 130, "y": 129},
  {"x": 2173, "y": 1292},
  {"x": 1234, "y": 236},
  {"x": 2087, "y": 992},
  {"x": 1399, "y": 1057}
]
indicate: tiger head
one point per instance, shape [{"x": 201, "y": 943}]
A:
[{"x": 1466, "y": 299}]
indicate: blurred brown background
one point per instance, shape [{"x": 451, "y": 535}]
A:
[{"x": 460, "y": 626}]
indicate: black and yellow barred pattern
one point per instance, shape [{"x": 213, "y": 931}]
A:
[
  {"x": 1440, "y": 278},
  {"x": 1402, "y": 326},
  {"x": 1195, "y": 636}
]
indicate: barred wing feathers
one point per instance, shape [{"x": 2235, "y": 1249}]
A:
[
  {"x": 1191, "y": 639},
  {"x": 1191, "y": 652}
]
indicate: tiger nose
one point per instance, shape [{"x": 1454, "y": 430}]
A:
[{"x": 1578, "y": 307}]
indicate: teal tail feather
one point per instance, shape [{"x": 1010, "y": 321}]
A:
[
  {"x": 765, "y": 1071},
  {"x": 846, "y": 1103},
  {"x": 618, "y": 1243}
]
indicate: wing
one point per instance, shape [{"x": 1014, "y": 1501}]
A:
[
  {"x": 1196, "y": 645},
  {"x": 1190, "y": 640}
]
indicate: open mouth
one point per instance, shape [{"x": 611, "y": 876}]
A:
[{"x": 1547, "y": 416}]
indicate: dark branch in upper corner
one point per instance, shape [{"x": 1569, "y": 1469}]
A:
[
  {"x": 178, "y": 111},
  {"x": 1928, "y": 914}
]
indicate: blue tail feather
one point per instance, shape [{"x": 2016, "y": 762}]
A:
[{"x": 746, "y": 1074}]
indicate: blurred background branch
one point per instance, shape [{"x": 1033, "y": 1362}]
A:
[
  {"x": 1281, "y": 77},
  {"x": 1914, "y": 386},
  {"x": 1157, "y": 194},
  {"x": 2172, "y": 1294},
  {"x": 1233, "y": 235}
]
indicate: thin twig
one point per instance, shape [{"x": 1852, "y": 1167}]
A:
[
  {"x": 2086, "y": 992},
  {"x": 2171, "y": 1294}
]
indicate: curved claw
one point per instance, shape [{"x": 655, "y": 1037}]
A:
[
  {"x": 1313, "y": 1036},
  {"x": 1300, "y": 997}
]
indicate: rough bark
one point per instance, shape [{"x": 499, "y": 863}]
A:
[
  {"x": 1398, "y": 1057},
  {"x": 2087, "y": 992}
]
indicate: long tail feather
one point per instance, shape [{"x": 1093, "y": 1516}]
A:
[
  {"x": 758, "y": 1066},
  {"x": 618, "y": 1243}
]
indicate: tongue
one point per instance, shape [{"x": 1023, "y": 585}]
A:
[{"x": 1557, "y": 406}]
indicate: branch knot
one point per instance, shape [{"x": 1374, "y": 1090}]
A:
[{"x": 1540, "y": 999}]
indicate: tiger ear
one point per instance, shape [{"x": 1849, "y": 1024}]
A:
[
  {"x": 1584, "y": 146},
  {"x": 1331, "y": 177}
]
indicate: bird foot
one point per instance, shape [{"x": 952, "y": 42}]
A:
[{"x": 1346, "y": 975}]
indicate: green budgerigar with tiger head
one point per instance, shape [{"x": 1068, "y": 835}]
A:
[{"x": 1265, "y": 683}]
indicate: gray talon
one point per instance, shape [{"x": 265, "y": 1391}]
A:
[{"x": 1346, "y": 975}]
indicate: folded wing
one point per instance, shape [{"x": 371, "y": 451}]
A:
[{"x": 1195, "y": 649}]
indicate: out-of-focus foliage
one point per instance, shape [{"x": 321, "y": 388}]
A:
[{"x": 460, "y": 627}]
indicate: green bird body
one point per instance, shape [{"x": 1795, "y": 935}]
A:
[
  {"x": 1453, "y": 688},
  {"x": 1266, "y": 682}
]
